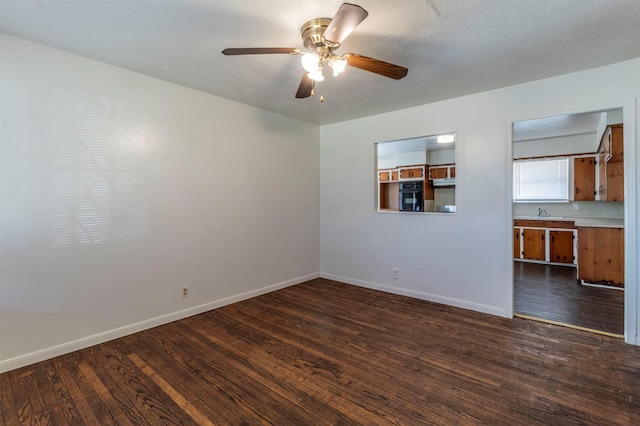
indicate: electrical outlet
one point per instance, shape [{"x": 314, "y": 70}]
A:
[
  {"x": 576, "y": 206},
  {"x": 395, "y": 273},
  {"x": 185, "y": 291}
]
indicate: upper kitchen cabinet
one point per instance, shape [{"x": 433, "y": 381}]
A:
[
  {"x": 610, "y": 176},
  {"x": 584, "y": 179},
  {"x": 388, "y": 175},
  {"x": 416, "y": 174},
  {"x": 411, "y": 173}
]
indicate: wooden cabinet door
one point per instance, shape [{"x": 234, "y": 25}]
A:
[
  {"x": 394, "y": 175},
  {"x": 452, "y": 171},
  {"x": 584, "y": 179},
  {"x": 384, "y": 176},
  {"x": 516, "y": 243},
  {"x": 438, "y": 173},
  {"x": 601, "y": 255},
  {"x": 602, "y": 177},
  {"x": 616, "y": 147},
  {"x": 561, "y": 246},
  {"x": 533, "y": 244},
  {"x": 412, "y": 173},
  {"x": 615, "y": 181}
]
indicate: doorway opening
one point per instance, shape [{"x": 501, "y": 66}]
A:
[{"x": 568, "y": 228}]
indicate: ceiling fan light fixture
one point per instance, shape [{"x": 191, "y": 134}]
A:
[
  {"x": 338, "y": 64},
  {"x": 316, "y": 75},
  {"x": 310, "y": 62}
]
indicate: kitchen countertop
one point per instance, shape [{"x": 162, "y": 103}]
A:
[
  {"x": 599, "y": 223},
  {"x": 580, "y": 221}
]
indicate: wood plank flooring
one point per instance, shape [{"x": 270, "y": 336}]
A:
[
  {"x": 552, "y": 293},
  {"x": 323, "y": 352}
]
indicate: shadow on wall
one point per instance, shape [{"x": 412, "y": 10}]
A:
[{"x": 83, "y": 175}]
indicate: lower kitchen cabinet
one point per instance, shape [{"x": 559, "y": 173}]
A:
[
  {"x": 533, "y": 244},
  {"x": 601, "y": 255},
  {"x": 517, "y": 250},
  {"x": 561, "y": 244},
  {"x": 388, "y": 196},
  {"x": 545, "y": 243}
]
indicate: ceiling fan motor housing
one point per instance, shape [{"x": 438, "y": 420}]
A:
[{"x": 312, "y": 34}]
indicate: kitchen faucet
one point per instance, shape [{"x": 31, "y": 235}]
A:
[{"x": 542, "y": 213}]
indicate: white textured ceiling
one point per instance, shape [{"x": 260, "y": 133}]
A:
[
  {"x": 558, "y": 126},
  {"x": 451, "y": 47}
]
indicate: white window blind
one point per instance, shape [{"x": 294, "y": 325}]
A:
[{"x": 541, "y": 180}]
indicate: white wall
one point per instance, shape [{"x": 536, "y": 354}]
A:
[
  {"x": 463, "y": 259},
  {"x": 445, "y": 156},
  {"x": 574, "y": 144},
  {"x": 118, "y": 189},
  {"x": 402, "y": 159}
]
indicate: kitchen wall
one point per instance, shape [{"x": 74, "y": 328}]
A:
[
  {"x": 119, "y": 189},
  {"x": 444, "y": 156},
  {"x": 461, "y": 259},
  {"x": 564, "y": 145},
  {"x": 402, "y": 159},
  {"x": 595, "y": 209}
]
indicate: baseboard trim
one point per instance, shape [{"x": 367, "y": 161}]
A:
[
  {"x": 458, "y": 303},
  {"x": 96, "y": 339}
]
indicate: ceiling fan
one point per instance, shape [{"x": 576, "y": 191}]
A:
[{"x": 321, "y": 37}]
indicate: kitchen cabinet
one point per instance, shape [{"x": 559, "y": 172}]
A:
[
  {"x": 442, "y": 172},
  {"x": 533, "y": 244},
  {"x": 429, "y": 194},
  {"x": 411, "y": 173},
  {"x": 561, "y": 245},
  {"x": 388, "y": 175},
  {"x": 601, "y": 255},
  {"x": 389, "y": 196},
  {"x": 517, "y": 250},
  {"x": 584, "y": 179},
  {"x": 610, "y": 177},
  {"x": 614, "y": 190},
  {"x": 545, "y": 241}
]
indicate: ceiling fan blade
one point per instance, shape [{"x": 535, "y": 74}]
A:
[
  {"x": 260, "y": 50},
  {"x": 306, "y": 87},
  {"x": 347, "y": 18},
  {"x": 376, "y": 66}
]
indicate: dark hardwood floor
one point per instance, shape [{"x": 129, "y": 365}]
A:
[
  {"x": 323, "y": 352},
  {"x": 552, "y": 293}
]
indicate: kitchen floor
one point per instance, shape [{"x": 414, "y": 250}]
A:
[{"x": 552, "y": 293}]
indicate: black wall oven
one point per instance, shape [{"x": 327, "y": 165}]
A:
[{"x": 411, "y": 196}]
